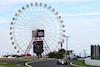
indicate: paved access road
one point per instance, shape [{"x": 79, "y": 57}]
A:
[{"x": 48, "y": 63}]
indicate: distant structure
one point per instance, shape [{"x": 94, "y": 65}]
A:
[
  {"x": 95, "y": 52},
  {"x": 70, "y": 55},
  {"x": 95, "y": 56}
]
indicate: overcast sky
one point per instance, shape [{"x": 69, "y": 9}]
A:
[{"x": 81, "y": 18}]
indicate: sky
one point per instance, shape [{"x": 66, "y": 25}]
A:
[{"x": 81, "y": 19}]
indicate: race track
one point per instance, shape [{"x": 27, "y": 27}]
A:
[
  {"x": 50, "y": 63},
  {"x": 47, "y": 63}
]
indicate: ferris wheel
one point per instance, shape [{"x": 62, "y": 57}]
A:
[{"x": 32, "y": 17}]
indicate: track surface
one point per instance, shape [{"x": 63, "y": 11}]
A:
[{"x": 48, "y": 63}]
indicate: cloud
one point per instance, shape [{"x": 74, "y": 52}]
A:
[
  {"x": 77, "y": 45},
  {"x": 80, "y": 14},
  {"x": 83, "y": 7},
  {"x": 9, "y": 10},
  {"x": 4, "y": 20},
  {"x": 28, "y": 1},
  {"x": 96, "y": 41}
]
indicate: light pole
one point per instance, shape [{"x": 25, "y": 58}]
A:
[
  {"x": 66, "y": 45},
  {"x": 67, "y": 42},
  {"x": 84, "y": 53}
]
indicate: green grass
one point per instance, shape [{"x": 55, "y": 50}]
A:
[
  {"x": 82, "y": 63},
  {"x": 12, "y": 65}
]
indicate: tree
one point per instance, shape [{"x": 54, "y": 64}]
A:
[
  {"x": 51, "y": 55},
  {"x": 61, "y": 52},
  {"x": 56, "y": 54}
]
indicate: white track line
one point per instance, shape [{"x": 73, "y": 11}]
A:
[
  {"x": 31, "y": 62},
  {"x": 76, "y": 65}
]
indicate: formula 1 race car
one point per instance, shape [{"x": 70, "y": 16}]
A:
[{"x": 62, "y": 62}]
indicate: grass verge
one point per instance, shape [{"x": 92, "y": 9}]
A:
[
  {"x": 12, "y": 65},
  {"x": 82, "y": 63}
]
